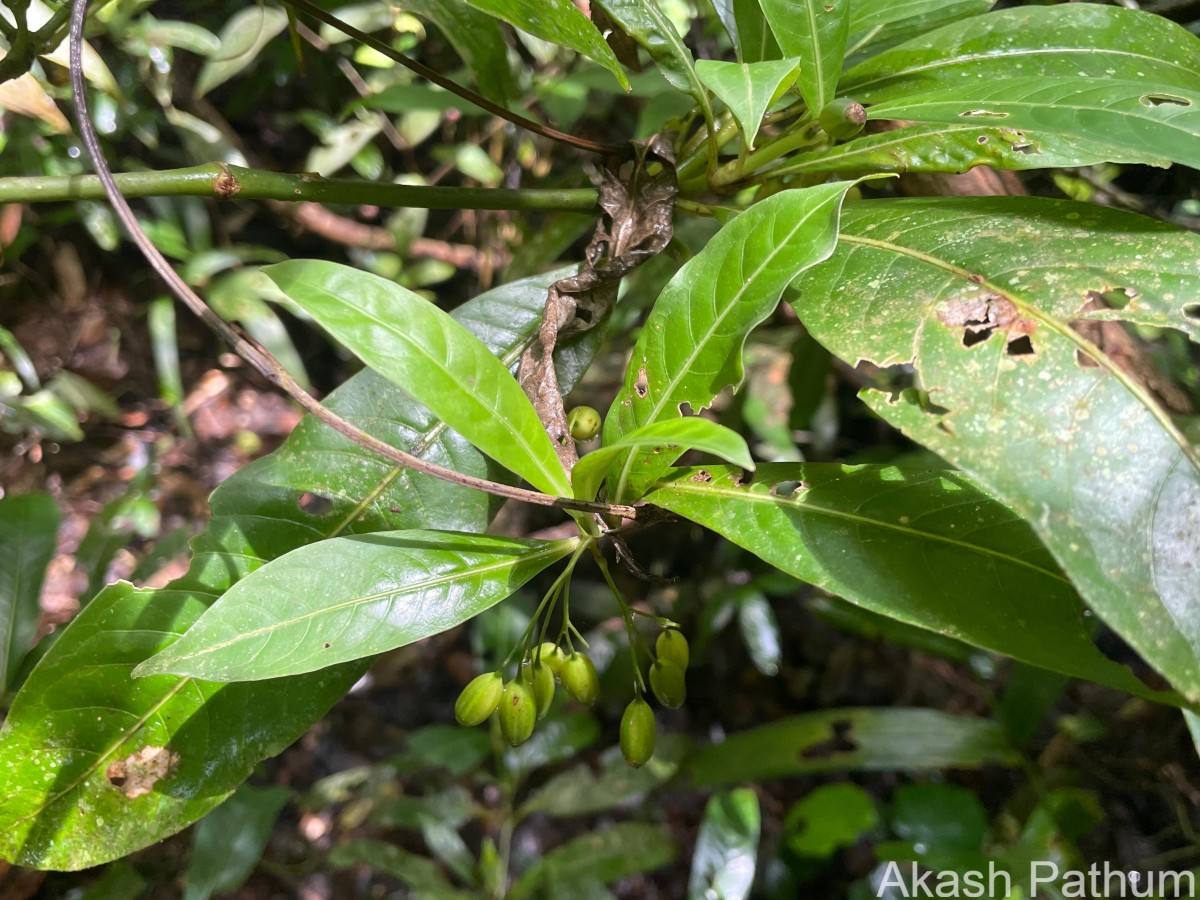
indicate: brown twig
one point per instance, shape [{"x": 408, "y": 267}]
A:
[{"x": 258, "y": 357}]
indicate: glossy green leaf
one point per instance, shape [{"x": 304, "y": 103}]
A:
[
  {"x": 605, "y": 856},
  {"x": 230, "y": 840},
  {"x": 1031, "y": 406},
  {"x": 59, "y": 809},
  {"x": 242, "y": 39},
  {"x": 1136, "y": 121},
  {"x": 748, "y": 29},
  {"x": 691, "y": 346},
  {"x": 1073, "y": 40},
  {"x": 760, "y": 632},
  {"x": 832, "y": 740},
  {"x": 878, "y": 25},
  {"x": 28, "y": 536},
  {"x": 559, "y": 22},
  {"x": 430, "y": 356},
  {"x": 955, "y": 147},
  {"x": 645, "y": 22},
  {"x": 670, "y": 438},
  {"x": 748, "y": 89},
  {"x": 579, "y": 792},
  {"x": 725, "y": 857},
  {"x": 476, "y": 37},
  {"x": 815, "y": 31},
  {"x": 348, "y": 597},
  {"x": 927, "y": 548}
]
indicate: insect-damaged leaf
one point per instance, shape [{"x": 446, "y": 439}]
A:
[
  {"x": 691, "y": 346},
  {"x": 350, "y": 597},
  {"x": 59, "y": 809},
  {"x": 998, "y": 304},
  {"x": 927, "y": 548}
]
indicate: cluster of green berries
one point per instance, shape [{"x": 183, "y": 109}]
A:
[{"x": 521, "y": 702}]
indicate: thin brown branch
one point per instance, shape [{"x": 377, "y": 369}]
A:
[{"x": 258, "y": 357}]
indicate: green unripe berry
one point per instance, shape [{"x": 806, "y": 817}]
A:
[
  {"x": 540, "y": 679},
  {"x": 637, "y": 732},
  {"x": 517, "y": 712},
  {"x": 479, "y": 699},
  {"x": 584, "y": 423},
  {"x": 579, "y": 677},
  {"x": 549, "y": 654},
  {"x": 673, "y": 646},
  {"x": 843, "y": 118},
  {"x": 666, "y": 680}
]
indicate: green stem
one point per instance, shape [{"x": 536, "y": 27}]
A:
[
  {"x": 631, "y": 633},
  {"x": 230, "y": 182},
  {"x": 801, "y": 136}
]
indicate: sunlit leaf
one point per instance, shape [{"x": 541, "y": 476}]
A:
[
  {"x": 878, "y": 25},
  {"x": 748, "y": 89},
  {"x": 1019, "y": 391},
  {"x": 724, "y": 860},
  {"x": 814, "y": 31}
]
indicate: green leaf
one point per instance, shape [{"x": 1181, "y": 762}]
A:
[
  {"x": 674, "y": 435},
  {"x": 62, "y": 733},
  {"x": 831, "y": 817},
  {"x": 760, "y": 632},
  {"x": 955, "y": 147},
  {"x": 871, "y": 740},
  {"x": 426, "y": 353},
  {"x": 816, "y": 32},
  {"x": 691, "y": 346},
  {"x": 243, "y": 37},
  {"x": 646, "y": 23},
  {"x": 579, "y": 792},
  {"x": 1038, "y": 414},
  {"x": 1136, "y": 121},
  {"x": 28, "y": 535},
  {"x": 877, "y": 25},
  {"x": 416, "y": 872},
  {"x": 748, "y": 29},
  {"x": 927, "y": 548},
  {"x": 348, "y": 597},
  {"x": 727, "y": 847},
  {"x": 477, "y": 38},
  {"x": 748, "y": 89},
  {"x": 559, "y": 22},
  {"x": 230, "y": 840},
  {"x": 605, "y": 856},
  {"x": 945, "y": 825}
]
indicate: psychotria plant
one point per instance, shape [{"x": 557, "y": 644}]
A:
[{"x": 1065, "y": 482}]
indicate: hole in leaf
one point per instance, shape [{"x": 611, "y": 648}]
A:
[
  {"x": 982, "y": 139},
  {"x": 971, "y": 337},
  {"x": 1084, "y": 361},
  {"x": 1155, "y": 100},
  {"x": 787, "y": 489},
  {"x": 982, "y": 114},
  {"x": 138, "y": 773},
  {"x": 641, "y": 385},
  {"x": 314, "y": 504},
  {"x": 702, "y": 477},
  {"x": 1192, "y": 310},
  {"x": 1020, "y": 346},
  {"x": 839, "y": 742},
  {"x": 979, "y": 317}
]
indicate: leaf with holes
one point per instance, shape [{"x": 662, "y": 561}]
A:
[
  {"x": 691, "y": 346},
  {"x": 431, "y": 357},
  {"x": 559, "y": 22},
  {"x": 675, "y": 436},
  {"x": 1012, "y": 311},
  {"x": 954, "y": 147},
  {"x": 350, "y": 597},
  {"x": 815, "y": 31},
  {"x": 853, "y": 740},
  {"x": 58, "y": 807},
  {"x": 748, "y": 89},
  {"x": 926, "y": 548}
]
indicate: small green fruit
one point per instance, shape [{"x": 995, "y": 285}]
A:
[
  {"x": 549, "y": 654},
  {"x": 672, "y": 645},
  {"x": 584, "y": 423},
  {"x": 579, "y": 677},
  {"x": 517, "y": 712},
  {"x": 479, "y": 699},
  {"x": 666, "y": 680},
  {"x": 843, "y": 118},
  {"x": 637, "y": 732},
  {"x": 540, "y": 678}
]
